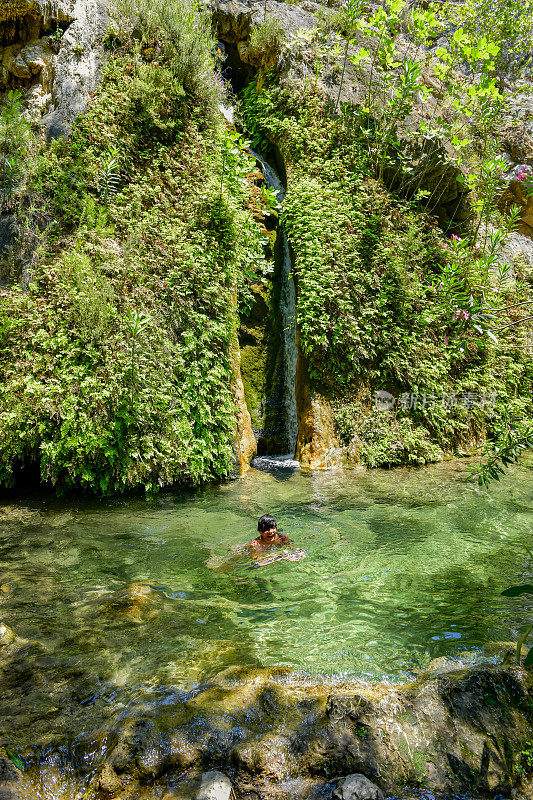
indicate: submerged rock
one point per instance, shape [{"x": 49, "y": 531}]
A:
[
  {"x": 135, "y": 601},
  {"x": 9, "y": 778},
  {"x": 452, "y": 732},
  {"x": 214, "y": 786},
  {"x": 275, "y": 733}
]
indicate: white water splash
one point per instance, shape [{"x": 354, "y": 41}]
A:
[
  {"x": 266, "y": 463},
  {"x": 227, "y": 112}
]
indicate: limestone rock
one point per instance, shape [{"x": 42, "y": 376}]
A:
[
  {"x": 36, "y": 55},
  {"x": 60, "y": 71},
  {"x": 214, "y": 786},
  {"x": 78, "y": 64},
  {"x": 245, "y": 443},
  {"x": 317, "y": 446},
  {"x": 357, "y": 787},
  {"x": 233, "y": 20},
  {"x": 514, "y": 195},
  {"x": 19, "y": 68}
]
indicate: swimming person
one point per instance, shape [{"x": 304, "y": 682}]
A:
[
  {"x": 263, "y": 549},
  {"x": 268, "y": 535}
]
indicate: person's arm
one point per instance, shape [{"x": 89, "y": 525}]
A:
[{"x": 255, "y": 548}]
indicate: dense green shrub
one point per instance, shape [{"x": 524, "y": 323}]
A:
[
  {"x": 179, "y": 33},
  {"x": 114, "y": 364},
  {"x": 367, "y": 267}
]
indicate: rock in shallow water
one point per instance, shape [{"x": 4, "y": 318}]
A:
[
  {"x": 214, "y": 786},
  {"x": 357, "y": 787}
]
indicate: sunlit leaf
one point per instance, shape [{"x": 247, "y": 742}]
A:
[
  {"x": 15, "y": 759},
  {"x": 526, "y": 630}
]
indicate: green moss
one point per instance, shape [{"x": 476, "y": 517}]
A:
[
  {"x": 15, "y": 9},
  {"x": 254, "y": 375},
  {"x": 256, "y": 337},
  {"x": 419, "y": 761}
]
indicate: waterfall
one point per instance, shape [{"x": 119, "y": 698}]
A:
[
  {"x": 287, "y": 310},
  {"x": 287, "y": 314}
]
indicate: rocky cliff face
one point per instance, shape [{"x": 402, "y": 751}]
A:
[{"x": 52, "y": 53}]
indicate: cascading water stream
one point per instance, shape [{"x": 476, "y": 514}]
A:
[
  {"x": 287, "y": 311},
  {"x": 287, "y": 314}
]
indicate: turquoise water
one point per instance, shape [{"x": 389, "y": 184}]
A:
[{"x": 402, "y": 567}]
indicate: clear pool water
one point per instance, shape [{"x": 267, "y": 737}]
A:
[{"x": 402, "y": 567}]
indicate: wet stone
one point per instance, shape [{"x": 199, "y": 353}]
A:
[
  {"x": 214, "y": 786},
  {"x": 357, "y": 787}
]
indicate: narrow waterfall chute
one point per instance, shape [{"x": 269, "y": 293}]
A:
[
  {"x": 288, "y": 428},
  {"x": 288, "y": 316}
]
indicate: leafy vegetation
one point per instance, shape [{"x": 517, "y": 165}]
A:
[
  {"x": 385, "y": 301},
  {"x": 178, "y": 34},
  {"x": 16, "y": 147},
  {"x": 115, "y": 366}
]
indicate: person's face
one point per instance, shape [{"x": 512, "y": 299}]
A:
[{"x": 269, "y": 535}]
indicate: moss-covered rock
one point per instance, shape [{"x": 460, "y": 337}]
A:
[{"x": 369, "y": 314}]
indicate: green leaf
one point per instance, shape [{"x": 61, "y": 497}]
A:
[
  {"x": 516, "y": 591},
  {"x": 15, "y": 759},
  {"x": 525, "y": 633},
  {"x": 529, "y": 658}
]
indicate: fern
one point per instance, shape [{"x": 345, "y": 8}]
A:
[
  {"x": 109, "y": 179},
  {"x": 8, "y": 177}
]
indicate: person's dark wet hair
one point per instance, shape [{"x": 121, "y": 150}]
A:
[{"x": 266, "y": 523}]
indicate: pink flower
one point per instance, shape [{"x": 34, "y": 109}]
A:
[
  {"x": 444, "y": 246},
  {"x": 445, "y": 339},
  {"x": 461, "y": 313},
  {"x": 523, "y": 175},
  {"x": 455, "y": 238}
]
